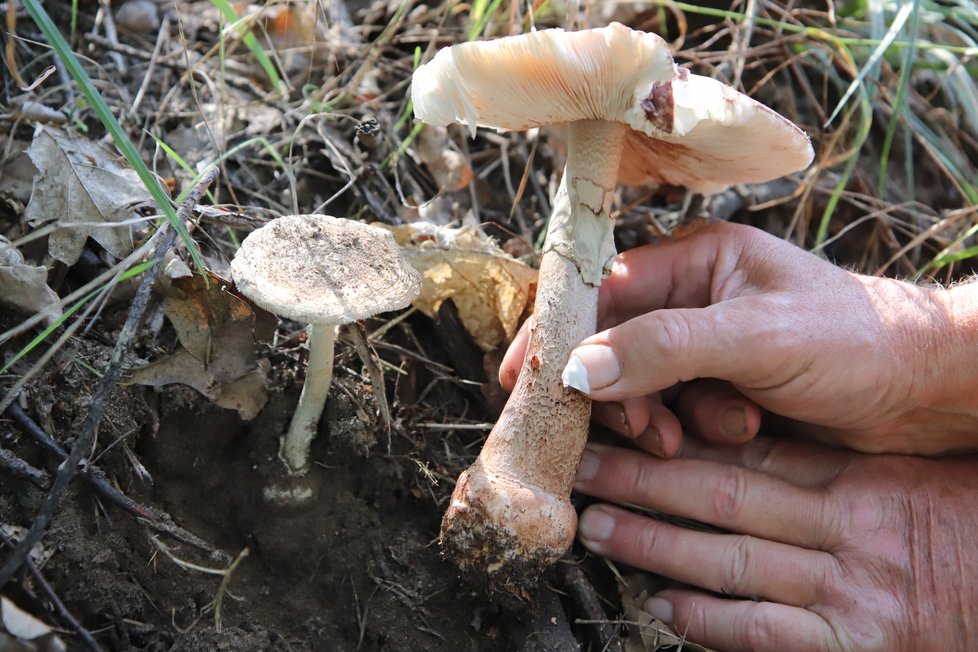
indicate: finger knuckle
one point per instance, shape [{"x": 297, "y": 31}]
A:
[
  {"x": 728, "y": 493},
  {"x": 697, "y": 620},
  {"x": 674, "y": 334},
  {"x": 758, "y": 629},
  {"x": 637, "y": 477},
  {"x": 649, "y": 543},
  {"x": 735, "y": 565}
]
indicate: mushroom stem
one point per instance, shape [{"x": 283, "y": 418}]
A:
[
  {"x": 294, "y": 449},
  {"x": 510, "y": 515}
]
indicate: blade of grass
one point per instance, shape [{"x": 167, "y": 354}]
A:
[
  {"x": 943, "y": 152},
  {"x": 43, "y": 335},
  {"x": 895, "y": 27},
  {"x": 961, "y": 85},
  {"x": 242, "y": 25},
  {"x": 812, "y": 32},
  {"x": 482, "y": 20},
  {"x": 186, "y": 167},
  {"x": 900, "y": 99},
  {"x": 108, "y": 120},
  {"x": 862, "y": 133},
  {"x": 947, "y": 256}
]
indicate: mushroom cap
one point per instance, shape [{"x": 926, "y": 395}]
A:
[
  {"x": 323, "y": 270},
  {"x": 685, "y": 129}
]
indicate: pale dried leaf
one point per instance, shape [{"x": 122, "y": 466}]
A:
[
  {"x": 25, "y": 631},
  {"x": 86, "y": 188},
  {"x": 448, "y": 166},
  {"x": 23, "y": 287},
  {"x": 246, "y": 393},
  {"x": 218, "y": 331},
  {"x": 491, "y": 290},
  {"x": 17, "y": 173},
  {"x": 40, "y": 554},
  {"x": 646, "y": 633}
]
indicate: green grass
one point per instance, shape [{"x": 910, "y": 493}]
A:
[
  {"x": 108, "y": 120},
  {"x": 876, "y": 54},
  {"x": 242, "y": 26}
]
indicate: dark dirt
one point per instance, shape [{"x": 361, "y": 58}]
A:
[{"x": 356, "y": 567}]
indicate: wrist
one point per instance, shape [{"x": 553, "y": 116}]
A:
[
  {"x": 962, "y": 345},
  {"x": 948, "y": 373}
]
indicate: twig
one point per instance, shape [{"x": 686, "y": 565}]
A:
[
  {"x": 369, "y": 359},
  {"x": 160, "y": 522},
  {"x": 59, "y": 607},
  {"x": 99, "y": 403},
  {"x": 585, "y": 598},
  {"x": 17, "y": 466}
]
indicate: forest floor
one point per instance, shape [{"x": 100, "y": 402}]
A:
[{"x": 166, "y": 538}]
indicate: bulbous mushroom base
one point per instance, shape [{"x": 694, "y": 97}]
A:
[{"x": 505, "y": 532}]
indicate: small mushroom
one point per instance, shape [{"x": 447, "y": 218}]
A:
[
  {"x": 325, "y": 271},
  {"x": 632, "y": 116}
]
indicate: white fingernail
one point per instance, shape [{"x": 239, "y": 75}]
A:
[{"x": 575, "y": 375}]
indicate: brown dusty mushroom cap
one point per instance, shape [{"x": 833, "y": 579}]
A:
[
  {"x": 686, "y": 129},
  {"x": 324, "y": 270}
]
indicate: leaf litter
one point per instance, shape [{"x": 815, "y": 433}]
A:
[
  {"x": 84, "y": 191},
  {"x": 310, "y": 112}
]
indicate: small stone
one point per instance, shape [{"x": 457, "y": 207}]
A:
[{"x": 139, "y": 16}]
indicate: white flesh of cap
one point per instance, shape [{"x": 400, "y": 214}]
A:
[{"x": 686, "y": 129}]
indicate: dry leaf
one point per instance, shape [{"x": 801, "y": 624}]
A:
[
  {"x": 446, "y": 165},
  {"x": 17, "y": 172},
  {"x": 86, "y": 189},
  {"x": 490, "y": 289},
  {"x": 217, "y": 330},
  {"x": 23, "y": 287},
  {"x": 23, "y": 632},
  {"x": 645, "y": 633}
]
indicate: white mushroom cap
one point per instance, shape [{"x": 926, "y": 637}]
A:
[
  {"x": 687, "y": 129},
  {"x": 323, "y": 270}
]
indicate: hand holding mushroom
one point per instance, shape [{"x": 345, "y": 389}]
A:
[
  {"x": 632, "y": 117},
  {"x": 868, "y": 363}
]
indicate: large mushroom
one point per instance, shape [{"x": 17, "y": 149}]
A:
[
  {"x": 324, "y": 271},
  {"x": 632, "y": 116}
]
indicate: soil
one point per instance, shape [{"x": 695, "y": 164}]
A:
[
  {"x": 351, "y": 561},
  {"x": 354, "y": 567}
]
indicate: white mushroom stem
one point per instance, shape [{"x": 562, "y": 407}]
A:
[
  {"x": 294, "y": 450},
  {"x": 510, "y": 514}
]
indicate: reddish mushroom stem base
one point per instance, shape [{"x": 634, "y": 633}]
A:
[{"x": 510, "y": 516}]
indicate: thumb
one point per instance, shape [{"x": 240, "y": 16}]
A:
[{"x": 730, "y": 341}]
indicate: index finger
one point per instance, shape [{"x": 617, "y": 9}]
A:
[{"x": 713, "y": 264}]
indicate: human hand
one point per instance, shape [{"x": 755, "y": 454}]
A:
[
  {"x": 869, "y": 363},
  {"x": 828, "y": 550}
]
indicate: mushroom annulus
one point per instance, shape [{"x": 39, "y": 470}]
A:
[
  {"x": 324, "y": 271},
  {"x": 632, "y": 116}
]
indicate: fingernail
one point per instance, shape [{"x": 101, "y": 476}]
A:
[
  {"x": 623, "y": 418},
  {"x": 589, "y": 467},
  {"x": 650, "y": 440},
  {"x": 591, "y": 367},
  {"x": 659, "y": 608},
  {"x": 595, "y": 526},
  {"x": 733, "y": 422}
]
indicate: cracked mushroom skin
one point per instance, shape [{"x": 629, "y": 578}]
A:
[
  {"x": 632, "y": 116},
  {"x": 325, "y": 271}
]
